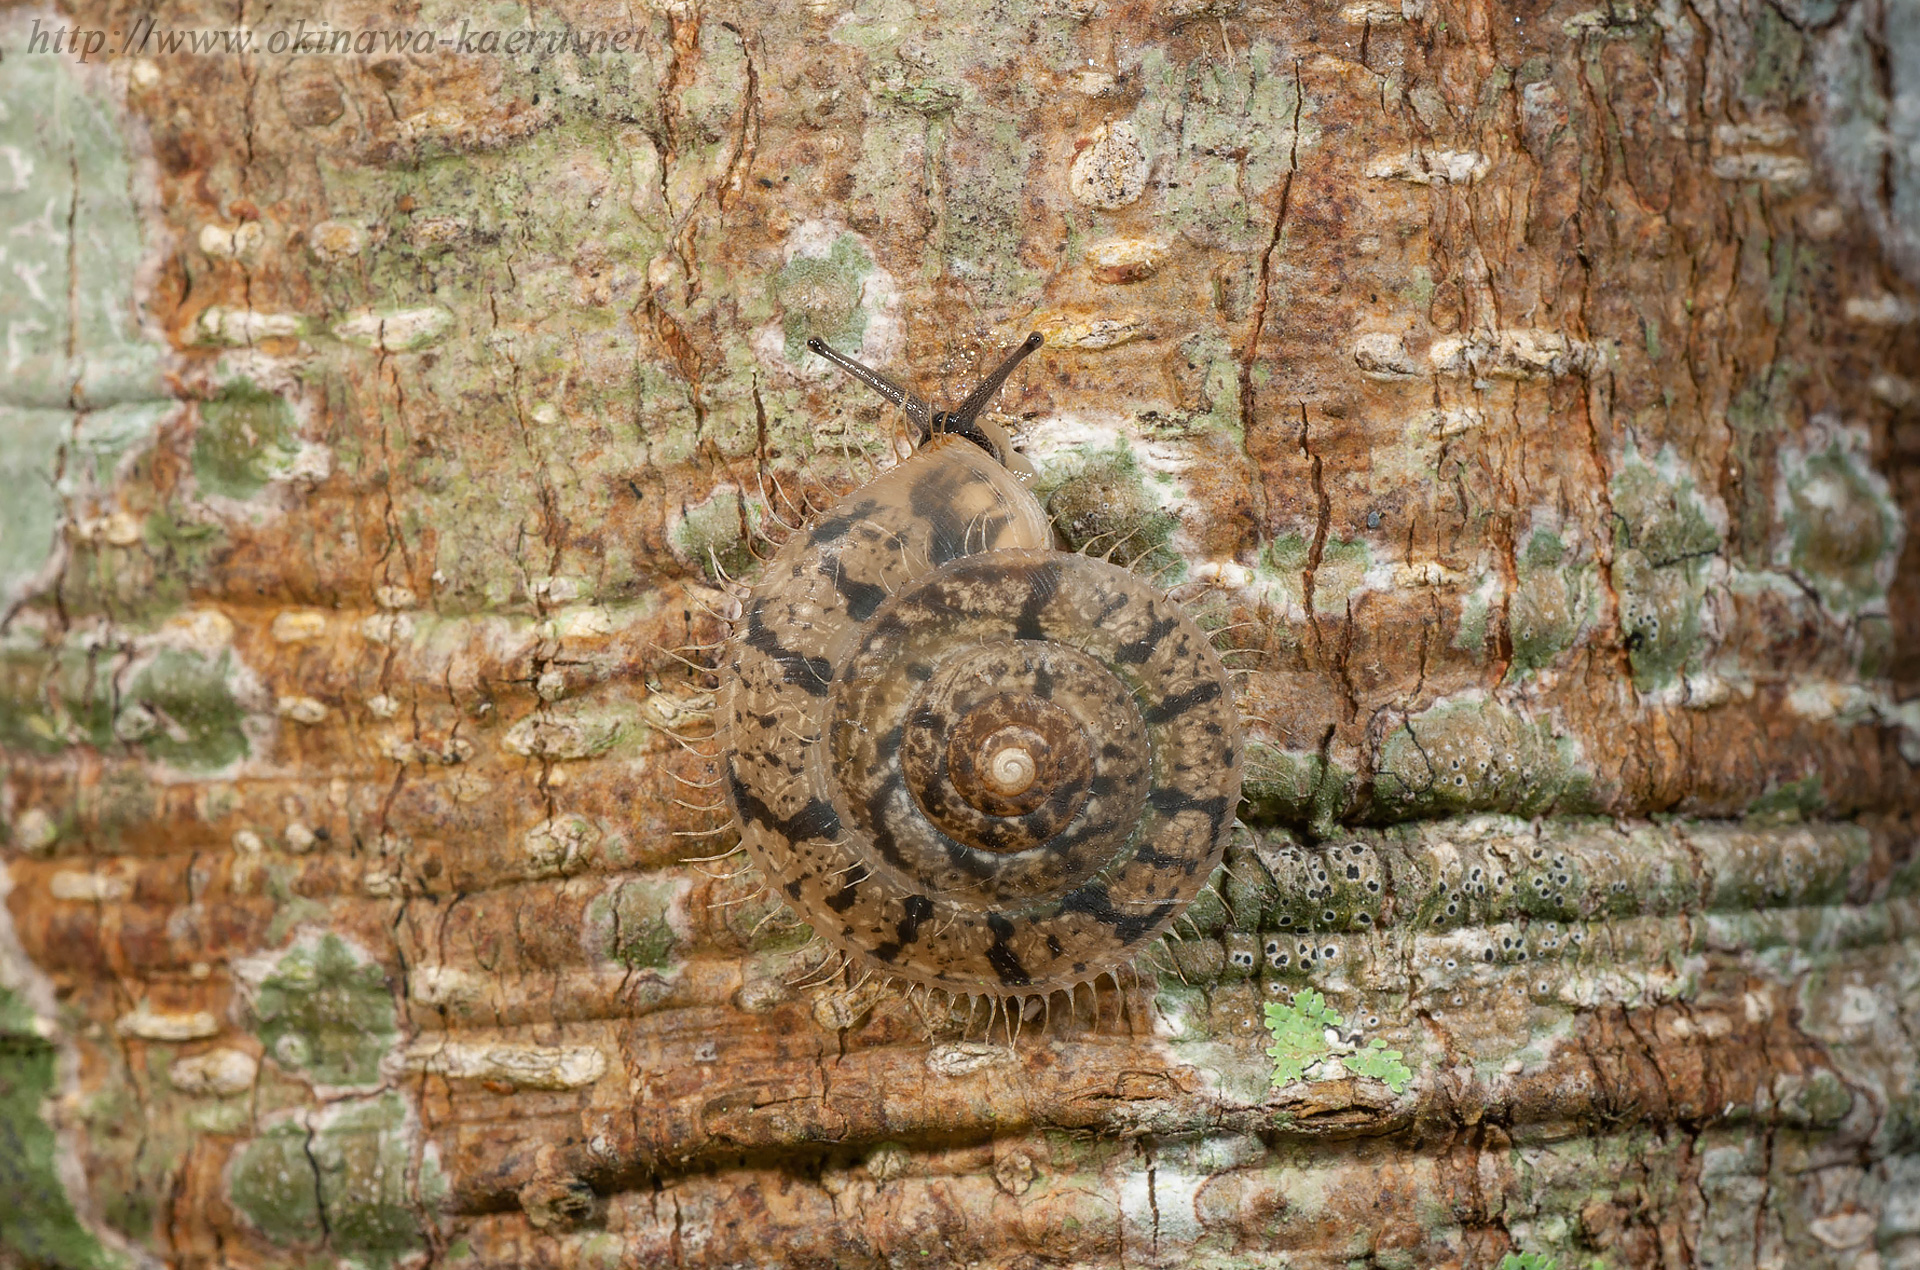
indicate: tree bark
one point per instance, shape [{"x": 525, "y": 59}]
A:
[{"x": 1525, "y": 394}]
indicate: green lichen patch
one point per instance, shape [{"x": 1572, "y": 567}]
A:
[
  {"x": 246, "y": 438},
  {"x": 1843, "y": 529},
  {"x": 273, "y": 1185},
  {"x": 1551, "y": 603},
  {"x": 714, "y": 535},
  {"x": 344, "y": 1183},
  {"x": 1335, "y": 886},
  {"x": 326, "y": 1011},
  {"x": 820, "y": 297},
  {"x": 1299, "y": 788},
  {"x": 1478, "y": 755},
  {"x": 181, "y": 708},
  {"x": 56, "y": 698},
  {"x": 38, "y": 1225},
  {"x": 1789, "y": 801},
  {"x": 1341, "y": 571},
  {"x": 1664, "y": 541},
  {"x": 1209, "y": 380},
  {"x": 68, "y": 309},
  {"x": 632, "y": 922},
  {"x": 1198, "y": 113},
  {"x": 1105, "y": 509}
]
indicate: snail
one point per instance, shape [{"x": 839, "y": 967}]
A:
[{"x": 971, "y": 761}]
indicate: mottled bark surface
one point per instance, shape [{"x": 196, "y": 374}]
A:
[{"x": 1527, "y": 392}]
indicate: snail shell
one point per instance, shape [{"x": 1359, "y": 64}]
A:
[{"x": 969, "y": 760}]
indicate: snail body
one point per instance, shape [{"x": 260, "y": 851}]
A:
[{"x": 969, "y": 760}]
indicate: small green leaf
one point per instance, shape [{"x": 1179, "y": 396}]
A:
[
  {"x": 1525, "y": 1261},
  {"x": 1299, "y": 1035},
  {"x": 1381, "y": 1063}
]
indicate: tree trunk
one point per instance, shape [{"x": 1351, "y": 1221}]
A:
[{"x": 1524, "y": 394}]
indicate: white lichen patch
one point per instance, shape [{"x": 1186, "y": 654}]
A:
[
  {"x": 396, "y": 330},
  {"x": 149, "y": 1024},
  {"x": 1881, "y": 310},
  {"x": 1383, "y": 355},
  {"x": 1111, "y": 171},
  {"x": 1512, "y": 354},
  {"x": 96, "y": 887},
  {"x": 559, "y": 846},
  {"x": 1126, "y": 259},
  {"x": 963, "y": 1058},
  {"x": 1430, "y": 167},
  {"x": 1092, "y": 334},
  {"x": 219, "y": 1073},
  {"x": 332, "y": 241},
  {"x": 223, "y": 324},
  {"x": 552, "y": 1067},
  {"x": 1788, "y": 170},
  {"x": 232, "y": 242},
  {"x": 306, "y": 710}
]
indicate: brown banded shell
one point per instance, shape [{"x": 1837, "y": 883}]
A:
[{"x": 969, "y": 760}]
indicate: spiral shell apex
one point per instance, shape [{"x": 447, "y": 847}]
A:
[{"x": 969, "y": 760}]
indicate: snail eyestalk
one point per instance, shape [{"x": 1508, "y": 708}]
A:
[
  {"x": 960, "y": 422},
  {"x": 918, "y": 409},
  {"x": 977, "y": 400}
]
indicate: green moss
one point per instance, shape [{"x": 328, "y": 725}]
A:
[
  {"x": 1478, "y": 756},
  {"x": 246, "y": 438},
  {"x": 181, "y": 708},
  {"x": 1104, "y": 509},
  {"x": 1526, "y": 1261},
  {"x": 38, "y": 1225},
  {"x": 344, "y": 1182},
  {"x": 325, "y": 1012},
  {"x": 1377, "y": 1062},
  {"x": 1845, "y": 530},
  {"x": 820, "y": 298}
]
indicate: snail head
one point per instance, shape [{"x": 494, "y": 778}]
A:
[{"x": 964, "y": 421}]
